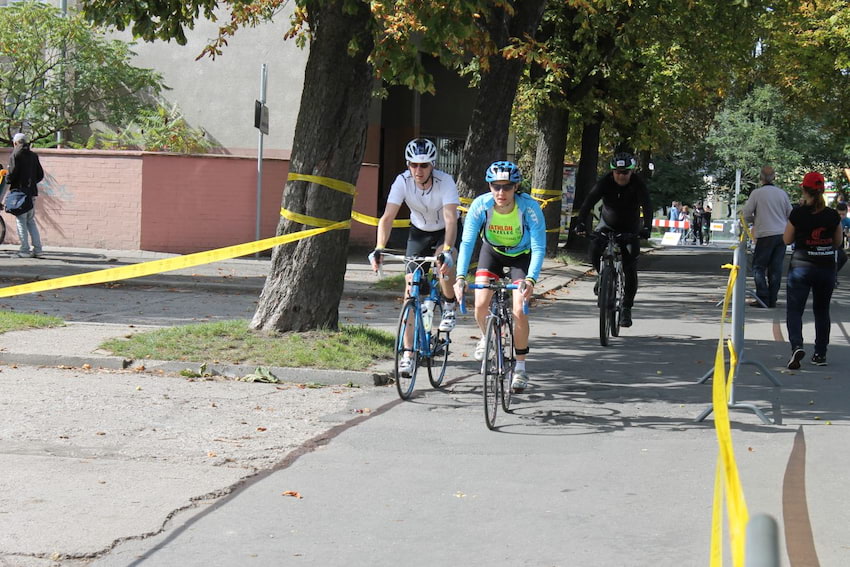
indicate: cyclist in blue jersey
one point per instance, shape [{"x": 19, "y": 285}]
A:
[{"x": 513, "y": 234}]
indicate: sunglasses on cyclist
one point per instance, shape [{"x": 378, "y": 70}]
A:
[
  {"x": 509, "y": 187},
  {"x": 419, "y": 165}
]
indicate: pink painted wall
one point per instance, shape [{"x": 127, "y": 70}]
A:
[{"x": 166, "y": 202}]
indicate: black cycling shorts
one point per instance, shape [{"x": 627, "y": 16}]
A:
[
  {"x": 493, "y": 265},
  {"x": 423, "y": 243}
]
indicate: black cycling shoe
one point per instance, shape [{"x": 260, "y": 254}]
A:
[{"x": 626, "y": 317}]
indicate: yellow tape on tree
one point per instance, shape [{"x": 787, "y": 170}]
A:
[
  {"x": 538, "y": 191},
  {"x": 304, "y": 219},
  {"x": 727, "y": 469},
  {"x": 334, "y": 184},
  {"x": 166, "y": 265}
]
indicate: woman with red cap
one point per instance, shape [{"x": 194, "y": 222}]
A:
[{"x": 815, "y": 231}]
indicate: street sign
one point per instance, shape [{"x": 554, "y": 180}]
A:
[{"x": 261, "y": 117}]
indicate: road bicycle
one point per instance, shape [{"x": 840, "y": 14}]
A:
[
  {"x": 497, "y": 366},
  {"x": 611, "y": 284},
  {"x": 419, "y": 320}
]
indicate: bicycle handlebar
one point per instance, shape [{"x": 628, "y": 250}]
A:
[
  {"x": 419, "y": 260},
  {"x": 493, "y": 286}
]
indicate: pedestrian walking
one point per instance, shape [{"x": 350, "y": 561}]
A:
[
  {"x": 815, "y": 231},
  {"x": 767, "y": 209},
  {"x": 706, "y": 223},
  {"x": 696, "y": 226},
  {"x": 25, "y": 173}
]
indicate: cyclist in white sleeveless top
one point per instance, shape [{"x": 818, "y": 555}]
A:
[{"x": 431, "y": 195}]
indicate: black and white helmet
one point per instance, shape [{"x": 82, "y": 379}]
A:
[{"x": 420, "y": 150}]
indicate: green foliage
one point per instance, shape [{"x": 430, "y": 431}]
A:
[
  {"x": 155, "y": 130},
  {"x": 58, "y": 73},
  {"x": 760, "y": 128}
]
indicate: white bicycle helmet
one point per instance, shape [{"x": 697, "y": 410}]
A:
[{"x": 420, "y": 150}]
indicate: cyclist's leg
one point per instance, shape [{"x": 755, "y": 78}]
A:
[
  {"x": 417, "y": 245},
  {"x": 631, "y": 251},
  {"x": 519, "y": 269}
]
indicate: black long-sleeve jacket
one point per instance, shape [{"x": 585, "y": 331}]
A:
[
  {"x": 621, "y": 205},
  {"x": 24, "y": 171}
]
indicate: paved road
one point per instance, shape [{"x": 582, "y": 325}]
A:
[{"x": 601, "y": 463}]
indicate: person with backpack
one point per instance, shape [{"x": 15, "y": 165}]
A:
[{"x": 24, "y": 174}]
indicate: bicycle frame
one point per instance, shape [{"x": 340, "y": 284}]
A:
[{"x": 428, "y": 347}]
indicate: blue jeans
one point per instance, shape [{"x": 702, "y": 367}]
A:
[
  {"x": 27, "y": 228},
  {"x": 821, "y": 282},
  {"x": 767, "y": 268}
]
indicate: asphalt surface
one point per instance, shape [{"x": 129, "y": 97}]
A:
[{"x": 601, "y": 461}]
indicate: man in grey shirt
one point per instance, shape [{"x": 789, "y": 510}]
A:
[{"x": 767, "y": 209}]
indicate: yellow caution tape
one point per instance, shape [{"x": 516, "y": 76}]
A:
[
  {"x": 537, "y": 191},
  {"x": 746, "y": 229},
  {"x": 373, "y": 221},
  {"x": 335, "y": 184},
  {"x": 304, "y": 219},
  {"x": 727, "y": 478},
  {"x": 166, "y": 265}
]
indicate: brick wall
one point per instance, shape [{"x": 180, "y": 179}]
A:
[{"x": 165, "y": 202}]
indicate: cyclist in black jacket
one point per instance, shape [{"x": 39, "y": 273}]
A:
[{"x": 626, "y": 207}]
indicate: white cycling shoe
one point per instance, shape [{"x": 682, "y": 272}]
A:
[
  {"x": 447, "y": 324},
  {"x": 405, "y": 365},
  {"x": 520, "y": 382},
  {"x": 480, "y": 348}
]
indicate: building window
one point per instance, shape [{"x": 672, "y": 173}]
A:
[{"x": 449, "y": 154}]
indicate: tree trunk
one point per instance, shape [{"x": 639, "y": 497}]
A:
[
  {"x": 304, "y": 286},
  {"x": 487, "y": 139},
  {"x": 552, "y": 128},
  {"x": 588, "y": 165}
]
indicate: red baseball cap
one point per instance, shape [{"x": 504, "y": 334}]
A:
[{"x": 813, "y": 180}]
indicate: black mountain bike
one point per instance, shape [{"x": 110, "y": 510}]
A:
[{"x": 611, "y": 284}]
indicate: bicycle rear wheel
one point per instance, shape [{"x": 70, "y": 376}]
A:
[
  {"x": 605, "y": 297},
  {"x": 2, "y": 230},
  {"x": 491, "y": 373},
  {"x": 404, "y": 384},
  {"x": 508, "y": 359},
  {"x": 439, "y": 350}
]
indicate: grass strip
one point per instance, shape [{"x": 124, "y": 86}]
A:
[{"x": 232, "y": 342}]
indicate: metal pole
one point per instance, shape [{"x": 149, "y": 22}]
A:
[
  {"x": 63, "y": 7},
  {"x": 762, "y": 549},
  {"x": 264, "y": 73}
]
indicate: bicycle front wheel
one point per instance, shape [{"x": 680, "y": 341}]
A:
[
  {"x": 508, "y": 360},
  {"x": 606, "y": 297},
  {"x": 2, "y": 230},
  {"x": 439, "y": 347},
  {"x": 617, "y": 309},
  {"x": 404, "y": 381},
  {"x": 491, "y": 373}
]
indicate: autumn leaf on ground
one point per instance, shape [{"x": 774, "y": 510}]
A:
[{"x": 292, "y": 493}]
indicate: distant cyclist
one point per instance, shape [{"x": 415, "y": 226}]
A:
[
  {"x": 431, "y": 195},
  {"x": 513, "y": 234},
  {"x": 625, "y": 198}
]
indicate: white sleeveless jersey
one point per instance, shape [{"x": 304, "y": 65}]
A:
[{"x": 426, "y": 207}]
